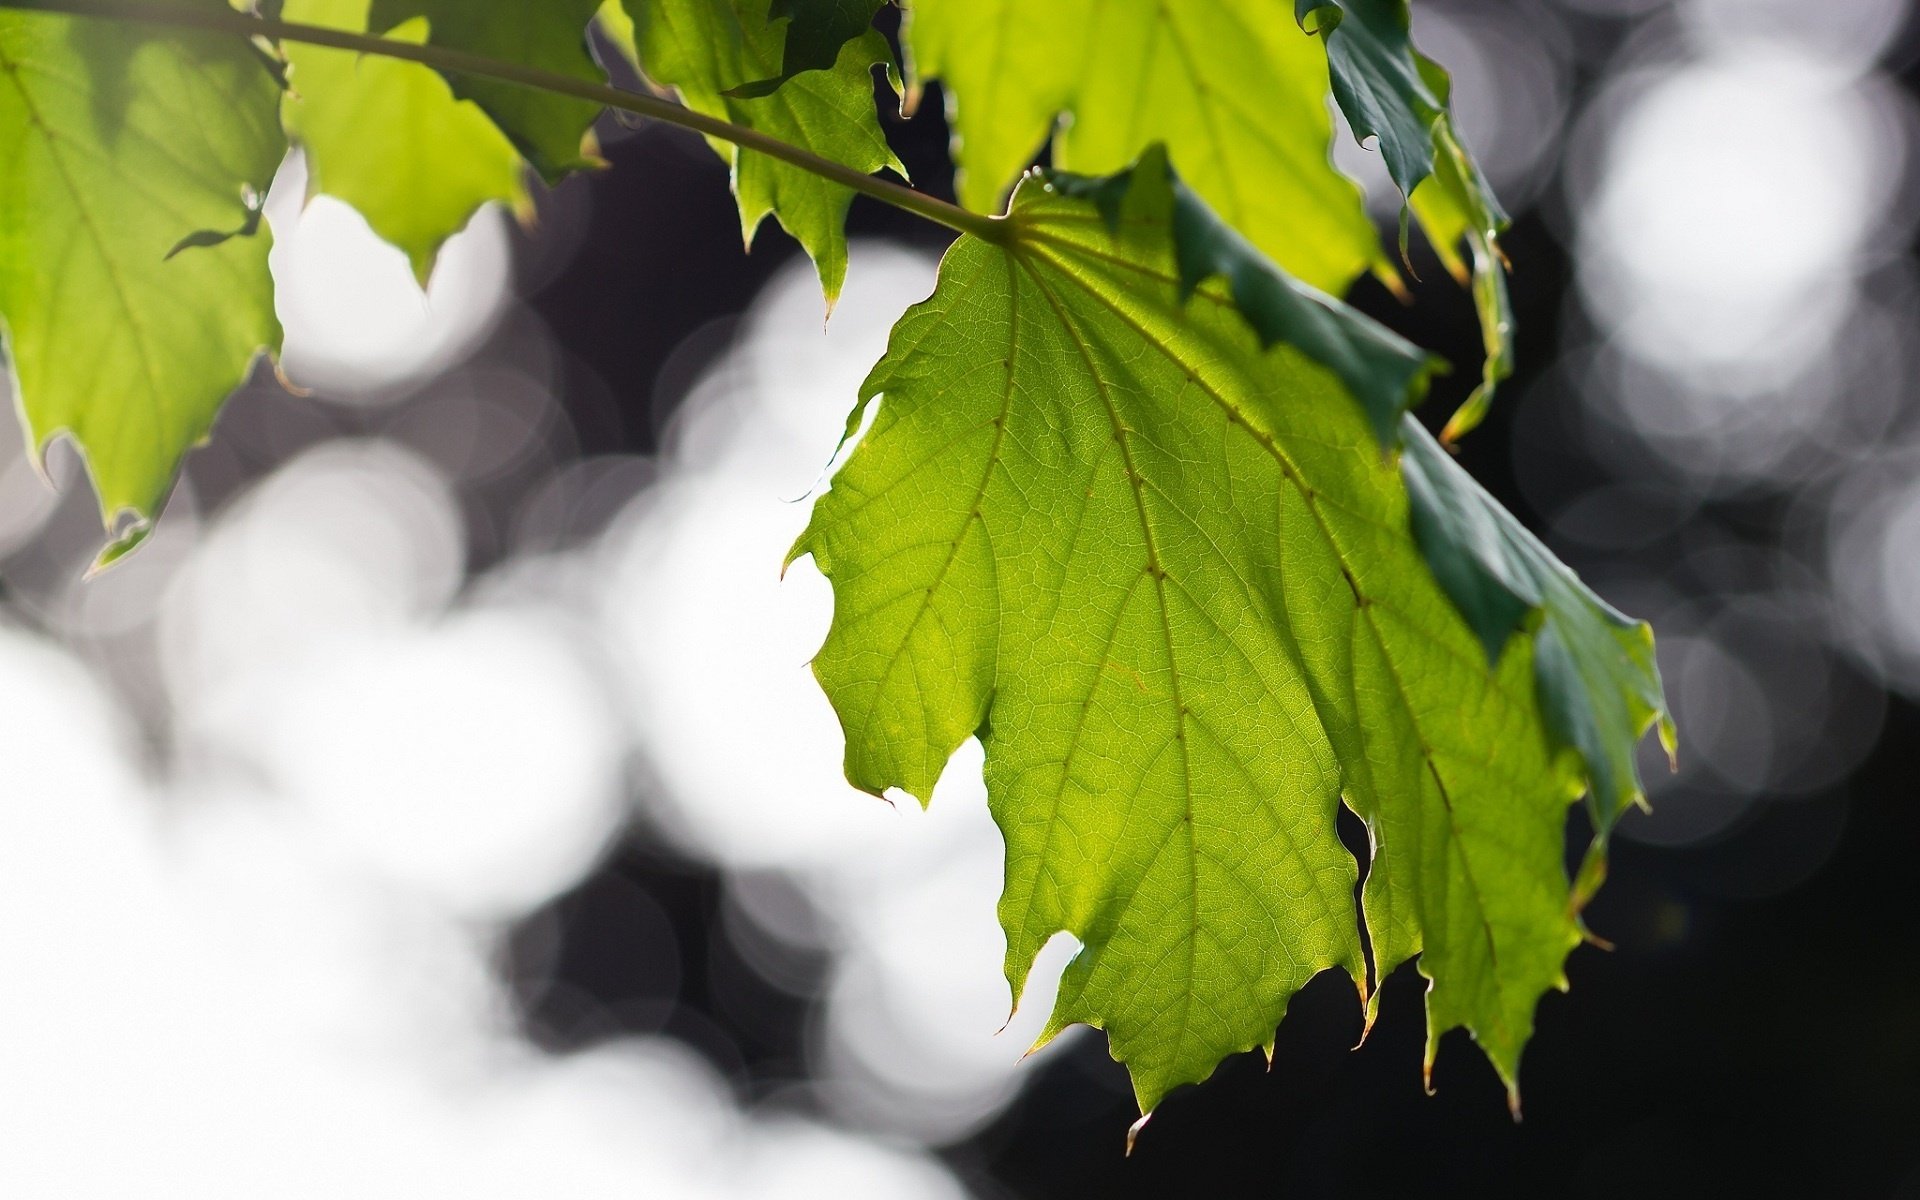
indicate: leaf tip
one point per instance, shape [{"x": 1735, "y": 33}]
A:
[
  {"x": 1467, "y": 417},
  {"x": 286, "y": 381},
  {"x": 799, "y": 551},
  {"x": 1395, "y": 285},
  {"x": 1134, "y": 1130},
  {"x": 1370, "y": 1012},
  {"x": 1592, "y": 873},
  {"x": 124, "y": 543}
]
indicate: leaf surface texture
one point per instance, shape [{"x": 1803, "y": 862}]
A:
[
  {"x": 1166, "y": 572},
  {"x": 1237, "y": 92},
  {"x": 705, "y": 49},
  {"x": 134, "y": 291},
  {"x": 551, "y": 130},
  {"x": 391, "y": 139}
]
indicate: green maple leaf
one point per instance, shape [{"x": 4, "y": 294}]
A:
[
  {"x": 1456, "y": 205},
  {"x": 550, "y": 130},
  {"x": 1390, "y": 91},
  {"x": 391, "y": 139},
  {"x": 127, "y": 158},
  {"x": 1238, "y": 96},
  {"x": 1140, "y": 538},
  {"x": 1378, "y": 82},
  {"x": 705, "y": 49},
  {"x": 1598, "y": 682},
  {"x": 816, "y": 31}
]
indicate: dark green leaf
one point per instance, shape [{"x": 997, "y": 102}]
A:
[
  {"x": 816, "y": 30},
  {"x": 1389, "y": 91},
  {"x": 551, "y": 130},
  {"x": 702, "y": 48},
  {"x": 1598, "y": 681}
]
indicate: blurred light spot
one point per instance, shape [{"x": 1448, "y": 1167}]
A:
[
  {"x": 1721, "y": 219},
  {"x": 1614, "y": 8},
  {"x": 355, "y": 318},
  {"x": 1724, "y": 758},
  {"x": 920, "y": 1034},
  {"x": 1730, "y": 723},
  {"x": 204, "y": 1004},
  {"x": 579, "y": 501},
  {"x": 1850, "y": 33},
  {"x": 1511, "y": 77},
  {"x": 1873, "y": 552},
  {"x": 773, "y": 924},
  {"x": 1824, "y": 718},
  {"x": 474, "y": 760},
  {"x": 481, "y": 425},
  {"x": 715, "y": 648},
  {"x": 748, "y": 751},
  {"x": 715, "y": 644},
  {"x": 1623, "y": 516},
  {"x": 348, "y": 537}
]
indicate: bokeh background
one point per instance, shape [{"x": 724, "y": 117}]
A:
[{"x": 440, "y": 805}]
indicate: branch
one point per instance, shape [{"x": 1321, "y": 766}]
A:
[{"x": 442, "y": 58}]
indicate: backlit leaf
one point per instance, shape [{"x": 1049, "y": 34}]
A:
[
  {"x": 706, "y": 48},
  {"x": 391, "y": 139},
  {"x": 120, "y": 145},
  {"x": 815, "y": 32},
  {"x": 1237, "y": 94},
  {"x": 1165, "y": 571},
  {"x": 551, "y": 130}
]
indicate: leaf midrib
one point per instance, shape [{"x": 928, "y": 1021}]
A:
[
  {"x": 1157, "y": 571},
  {"x": 12, "y": 68},
  {"x": 1291, "y": 472}
]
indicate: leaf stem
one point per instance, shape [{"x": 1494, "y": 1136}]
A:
[{"x": 442, "y": 58}]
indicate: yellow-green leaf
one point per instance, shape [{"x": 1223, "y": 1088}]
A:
[
  {"x": 1162, "y": 567},
  {"x": 553, "y": 131},
  {"x": 128, "y": 156},
  {"x": 1237, "y": 92},
  {"x": 391, "y": 139}
]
